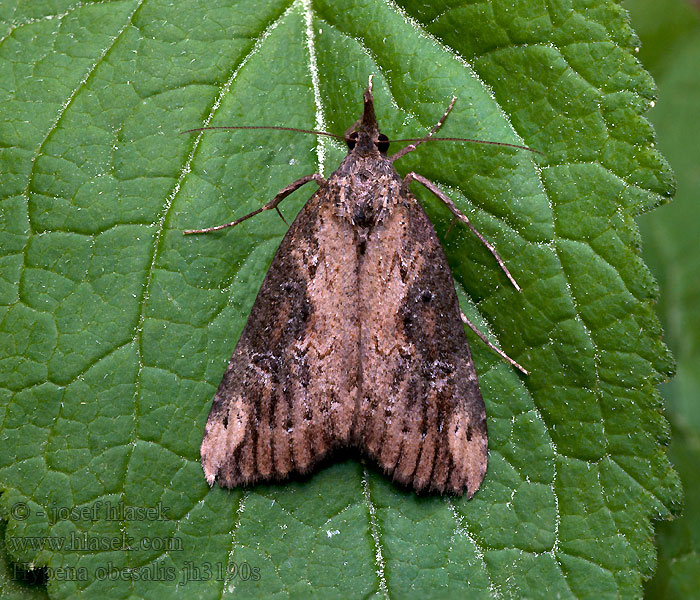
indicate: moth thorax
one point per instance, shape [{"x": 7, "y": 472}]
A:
[{"x": 364, "y": 213}]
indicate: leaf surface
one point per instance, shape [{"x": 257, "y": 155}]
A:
[{"x": 117, "y": 328}]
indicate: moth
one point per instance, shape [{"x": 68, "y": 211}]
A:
[{"x": 355, "y": 338}]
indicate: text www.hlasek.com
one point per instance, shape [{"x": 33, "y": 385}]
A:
[{"x": 83, "y": 542}]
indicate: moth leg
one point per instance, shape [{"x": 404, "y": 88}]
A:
[
  {"x": 457, "y": 213},
  {"x": 452, "y": 224},
  {"x": 411, "y": 147},
  {"x": 281, "y": 195},
  {"x": 484, "y": 339}
]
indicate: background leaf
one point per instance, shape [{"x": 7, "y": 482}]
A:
[
  {"x": 670, "y": 34},
  {"x": 116, "y": 328}
]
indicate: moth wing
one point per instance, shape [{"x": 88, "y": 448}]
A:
[
  {"x": 421, "y": 415},
  {"x": 288, "y": 395}
]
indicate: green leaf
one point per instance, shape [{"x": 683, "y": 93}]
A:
[{"x": 117, "y": 329}]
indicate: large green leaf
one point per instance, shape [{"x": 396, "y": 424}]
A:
[{"x": 116, "y": 328}]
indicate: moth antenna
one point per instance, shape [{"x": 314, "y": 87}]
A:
[
  {"x": 429, "y": 138},
  {"x": 471, "y": 140},
  {"x": 312, "y": 131}
]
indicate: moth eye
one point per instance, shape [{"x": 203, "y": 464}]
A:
[
  {"x": 383, "y": 143},
  {"x": 426, "y": 296},
  {"x": 351, "y": 140}
]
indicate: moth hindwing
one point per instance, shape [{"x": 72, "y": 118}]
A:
[{"x": 354, "y": 340}]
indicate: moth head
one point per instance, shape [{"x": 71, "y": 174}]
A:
[
  {"x": 364, "y": 137},
  {"x": 382, "y": 142}
]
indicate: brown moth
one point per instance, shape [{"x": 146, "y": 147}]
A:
[{"x": 355, "y": 339}]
